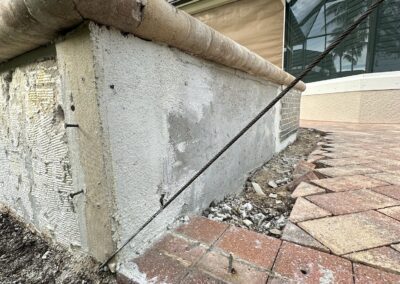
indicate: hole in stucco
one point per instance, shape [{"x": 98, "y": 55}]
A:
[
  {"x": 304, "y": 271},
  {"x": 72, "y": 107},
  {"x": 60, "y": 113},
  {"x": 112, "y": 87}
]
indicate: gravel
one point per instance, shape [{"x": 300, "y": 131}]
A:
[{"x": 267, "y": 212}]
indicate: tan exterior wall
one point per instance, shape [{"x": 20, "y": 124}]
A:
[
  {"x": 360, "y": 107},
  {"x": 256, "y": 24}
]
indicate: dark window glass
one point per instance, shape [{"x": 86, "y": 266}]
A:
[
  {"x": 387, "y": 49},
  {"x": 311, "y": 25}
]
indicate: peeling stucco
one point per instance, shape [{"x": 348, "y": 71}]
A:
[{"x": 35, "y": 172}]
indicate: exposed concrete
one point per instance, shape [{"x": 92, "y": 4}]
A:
[
  {"x": 35, "y": 174},
  {"x": 149, "y": 117},
  {"x": 164, "y": 115},
  {"x": 89, "y": 154}
]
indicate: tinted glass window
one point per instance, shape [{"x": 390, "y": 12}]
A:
[{"x": 312, "y": 25}]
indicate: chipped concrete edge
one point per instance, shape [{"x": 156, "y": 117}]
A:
[{"x": 28, "y": 24}]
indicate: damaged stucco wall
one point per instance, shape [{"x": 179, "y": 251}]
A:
[
  {"x": 35, "y": 173},
  {"x": 149, "y": 117},
  {"x": 164, "y": 115}
]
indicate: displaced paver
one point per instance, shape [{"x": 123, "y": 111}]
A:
[
  {"x": 391, "y": 191},
  {"x": 304, "y": 265},
  {"x": 349, "y": 183},
  {"x": 294, "y": 234},
  {"x": 383, "y": 257},
  {"x": 305, "y": 210},
  {"x": 339, "y": 203},
  {"x": 354, "y": 232},
  {"x": 367, "y": 275},
  {"x": 250, "y": 246},
  {"x": 305, "y": 189},
  {"x": 393, "y": 212}
]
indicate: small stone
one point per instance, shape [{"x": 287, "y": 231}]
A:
[
  {"x": 273, "y": 195},
  {"x": 46, "y": 254},
  {"x": 275, "y": 232},
  {"x": 247, "y": 222},
  {"x": 226, "y": 208},
  {"x": 278, "y": 201},
  {"x": 247, "y": 206},
  {"x": 272, "y": 184},
  {"x": 258, "y": 189}
]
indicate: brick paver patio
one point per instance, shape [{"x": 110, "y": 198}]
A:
[{"x": 344, "y": 228}]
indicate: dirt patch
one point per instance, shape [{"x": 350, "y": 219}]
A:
[
  {"x": 267, "y": 212},
  {"x": 25, "y": 257}
]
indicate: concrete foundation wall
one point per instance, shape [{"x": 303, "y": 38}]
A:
[
  {"x": 35, "y": 168},
  {"x": 149, "y": 116},
  {"x": 165, "y": 115}
]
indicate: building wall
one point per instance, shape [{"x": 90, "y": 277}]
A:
[
  {"x": 165, "y": 115},
  {"x": 368, "y": 98},
  {"x": 256, "y": 24},
  {"x": 35, "y": 174},
  {"x": 149, "y": 117}
]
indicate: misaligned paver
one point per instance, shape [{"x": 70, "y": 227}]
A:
[
  {"x": 382, "y": 257},
  {"x": 305, "y": 265},
  {"x": 305, "y": 210},
  {"x": 340, "y": 203},
  {"x": 354, "y": 182},
  {"x": 345, "y": 234}
]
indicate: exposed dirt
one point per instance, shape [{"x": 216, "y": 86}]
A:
[
  {"x": 25, "y": 257},
  {"x": 267, "y": 213}
]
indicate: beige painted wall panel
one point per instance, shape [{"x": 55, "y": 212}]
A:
[
  {"x": 380, "y": 107},
  {"x": 256, "y": 24},
  {"x": 343, "y": 107},
  {"x": 362, "y": 107}
]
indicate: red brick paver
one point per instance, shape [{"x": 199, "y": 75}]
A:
[
  {"x": 346, "y": 202},
  {"x": 344, "y": 229},
  {"x": 349, "y": 183},
  {"x": 250, "y": 246},
  {"x": 368, "y": 275},
  {"x": 203, "y": 230},
  {"x": 304, "y": 265}
]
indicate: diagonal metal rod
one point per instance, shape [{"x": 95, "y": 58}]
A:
[{"x": 335, "y": 43}]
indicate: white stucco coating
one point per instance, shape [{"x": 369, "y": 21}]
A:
[{"x": 35, "y": 171}]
